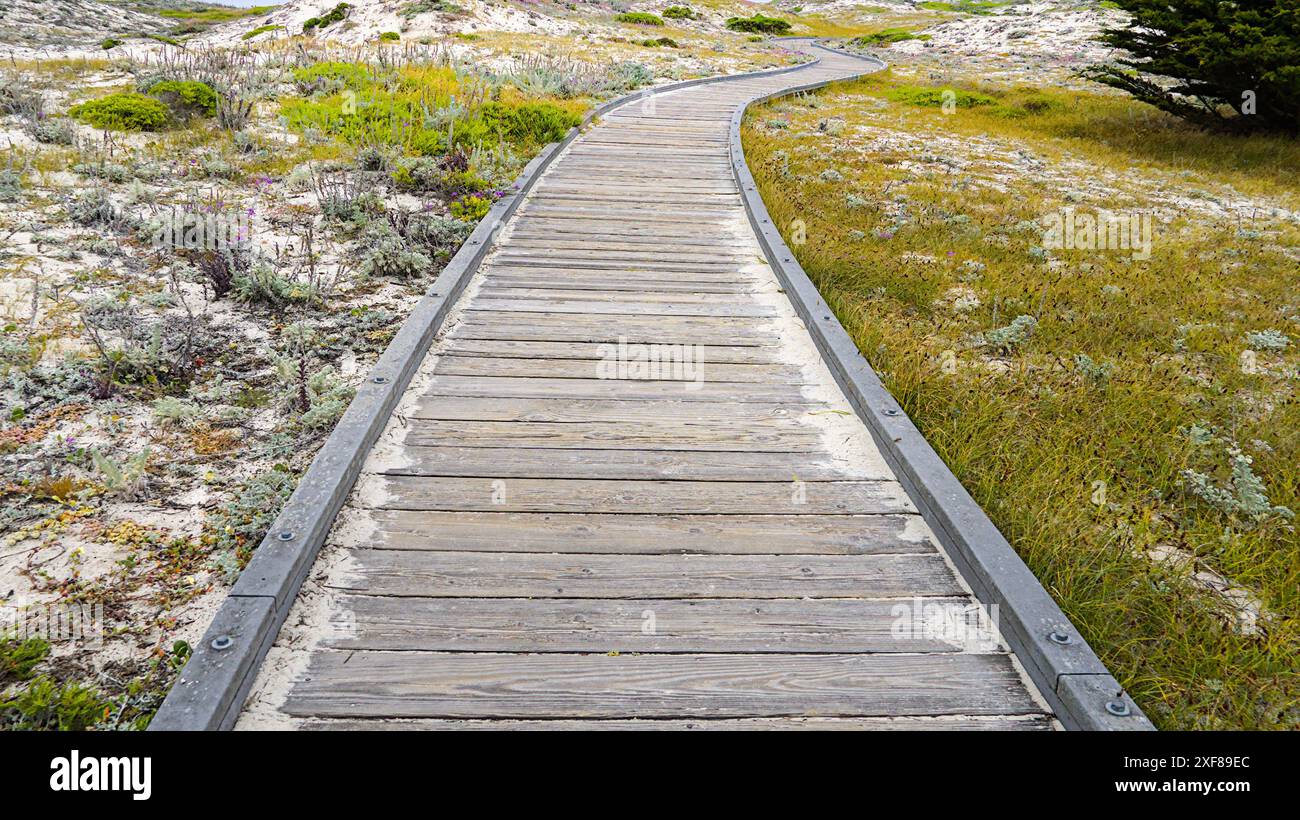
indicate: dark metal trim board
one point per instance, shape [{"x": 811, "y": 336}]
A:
[
  {"x": 212, "y": 687},
  {"x": 1060, "y": 662}
]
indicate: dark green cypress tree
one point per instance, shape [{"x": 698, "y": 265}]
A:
[{"x": 1221, "y": 63}]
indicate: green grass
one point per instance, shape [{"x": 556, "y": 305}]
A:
[
  {"x": 221, "y": 14},
  {"x": 927, "y": 97},
  {"x": 250, "y": 34},
  {"x": 202, "y": 18},
  {"x": 1103, "y": 436},
  {"x": 888, "y": 35},
  {"x": 963, "y": 6}
]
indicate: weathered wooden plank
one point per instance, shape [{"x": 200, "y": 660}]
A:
[
  {"x": 655, "y": 625},
  {"x": 680, "y": 368},
  {"x": 687, "y": 218},
  {"x": 715, "y": 130},
  {"x": 532, "y": 237},
  {"x": 739, "y": 273},
  {"x": 994, "y": 723},
  {"x": 628, "y": 389},
  {"x": 648, "y": 179},
  {"x": 611, "y": 181},
  {"x": 621, "y": 135},
  {"x": 769, "y": 436},
  {"x": 708, "y": 174},
  {"x": 512, "y": 284},
  {"x": 796, "y": 497},
  {"x": 689, "y": 153},
  {"x": 757, "y": 535},
  {"x": 636, "y": 208},
  {"x": 647, "y": 152},
  {"x": 723, "y": 354},
  {"x": 630, "y": 145},
  {"x": 628, "y": 136},
  {"x": 622, "y": 463},
  {"x": 572, "y": 327},
  {"x": 647, "y": 294},
  {"x": 670, "y": 247},
  {"x": 575, "y": 410},
  {"x": 426, "y": 684},
  {"x": 606, "y": 162},
  {"x": 716, "y": 205},
  {"x": 716, "y": 260},
  {"x": 559, "y": 271},
  {"x": 595, "y": 307},
  {"x": 731, "y": 271},
  {"x": 446, "y": 574},
  {"x": 619, "y": 229}
]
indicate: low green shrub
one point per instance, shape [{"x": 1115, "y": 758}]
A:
[
  {"x": 655, "y": 42},
  {"x": 680, "y": 13},
  {"x": 439, "y": 236},
  {"x": 758, "y": 24},
  {"x": 927, "y": 97},
  {"x": 262, "y": 284},
  {"x": 418, "y": 7},
  {"x": 433, "y": 174},
  {"x": 54, "y": 131},
  {"x": 18, "y": 97},
  {"x": 529, "y": 124},
  {"x": 336, "y": 14},
  {"x": 329, "y": 396},
  {"x": 234, "y": 530},
  {"x": 889, "y": 35},
  {"x": 627, "y": 76},
  {"x": 18, "y": 658},
  {"x": 50, "y": 706},
  {"x": 186, "y": 98},
  {"x": 248, "y": 35},
  {"x": 92, "y": 208},
  {"x": 470, "y": 208},
  {"x": 641, "y": 18},
  {"x": 391, "y": 255},
  {"x": 123, "y": 112},
  {"x": 331, "y": 76},
  {"x": 389, "y": 37},
  {"x": 11, "y": 185},
  {"x": 1020, "y": 103},
  {"x": 109, "y": 43}
]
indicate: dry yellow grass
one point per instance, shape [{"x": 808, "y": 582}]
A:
[{"x": 1137, "y": 440}]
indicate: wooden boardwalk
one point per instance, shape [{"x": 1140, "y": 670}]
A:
[{"x": 552, "y": 535}]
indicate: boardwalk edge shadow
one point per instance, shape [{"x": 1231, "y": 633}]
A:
[
  {"x": 211, "y": 689},
  {"x": 1068, "y": 673}
]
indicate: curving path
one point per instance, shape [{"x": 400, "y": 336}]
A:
[{"x": 549, "y": 534}]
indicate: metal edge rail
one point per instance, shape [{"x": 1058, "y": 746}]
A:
[
  {"x": 1068, "y": 673},
  {"x": 211, "y": 689}
]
